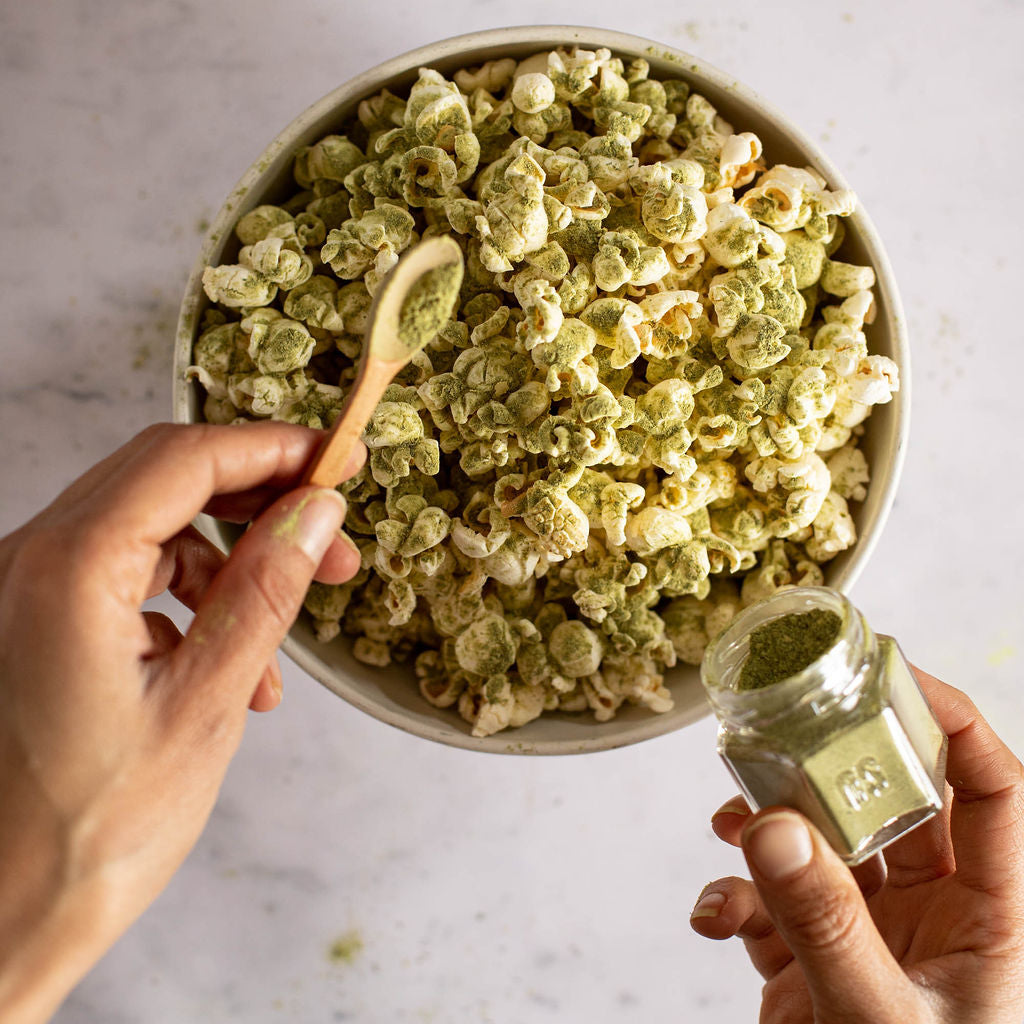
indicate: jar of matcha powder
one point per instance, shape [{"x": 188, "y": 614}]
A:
[{"x": 818, "y": 713}]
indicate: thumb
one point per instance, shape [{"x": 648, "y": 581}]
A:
[
  {"x": 254, "y": 599},
  {"x": 817, "y": 908}
]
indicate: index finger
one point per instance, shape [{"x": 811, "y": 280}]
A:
[
  {"x": 168, "y": 474},
  {"x": 987, "y": 816}
]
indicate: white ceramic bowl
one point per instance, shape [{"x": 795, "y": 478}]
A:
[{"x": 391, "y": 694}]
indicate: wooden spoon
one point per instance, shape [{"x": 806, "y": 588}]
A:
[{"x": 403, "y": 318}]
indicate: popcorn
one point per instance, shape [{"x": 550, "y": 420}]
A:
[
  {"x": 373, "y": 239},
  {"x": 849, "y": 472},
  {"x": 264, "y": 222},
  {"x": 396, "y": 439},
  {"x": 279, "y": 345},
  {"x": 331, "y": 159},
  {"x": 533, "y": 93},
  {"x": 671, "y": 211},
  {"x": 486, "y": 647},
  {"x": 326, "y": 603},
  {"x": 237, "y": 286},
  {"x": 278, "y": 263},
  {"x": 643, "y": 415},
  {"x": 557, "y": 523},
  {"x": 845, "y": 279}
]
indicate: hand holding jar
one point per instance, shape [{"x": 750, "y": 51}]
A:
[{"x": 929, "y": 930}]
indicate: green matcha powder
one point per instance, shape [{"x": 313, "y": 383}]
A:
[
  {"x": 785, "y": 646},
  {"x": 428, "y": 305}
]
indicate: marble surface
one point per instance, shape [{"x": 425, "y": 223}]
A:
[{"x": 464, "y": 888}]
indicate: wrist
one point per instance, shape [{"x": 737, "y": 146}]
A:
[
  {"x": 50, "y": 926},
  {"x": 44, "y": 952}
]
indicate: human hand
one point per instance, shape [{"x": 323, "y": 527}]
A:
[
  {"x": 930, "y": 931},
  {"x": 116, "y": 731}
]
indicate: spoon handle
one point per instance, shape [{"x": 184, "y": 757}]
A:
[{"x": 328, "y": 465}]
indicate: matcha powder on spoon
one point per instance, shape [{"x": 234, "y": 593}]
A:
[
  {"x": 428, "y": 305},
  {"x": 785, "y": 646}
]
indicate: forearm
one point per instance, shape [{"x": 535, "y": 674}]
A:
[
  {"x": 49, "y": 926},
  {"x": 40, "y": 966}
]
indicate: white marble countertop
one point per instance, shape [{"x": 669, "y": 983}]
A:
[{"x": 471, "y": 888}]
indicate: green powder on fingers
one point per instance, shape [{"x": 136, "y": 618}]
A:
[{"x": 787, "y": 645}]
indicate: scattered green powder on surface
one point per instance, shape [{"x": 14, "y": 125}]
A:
[
  {"x": 143, "y": 354},
  {"x": 1001, "y": 655},
  {"x": 346, "y": 948},
  {"x": 428, "y": 305},
  {"x": 787, "y": 645}
]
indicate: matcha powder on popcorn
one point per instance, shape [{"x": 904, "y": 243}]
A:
[
  {"x": 785, "y": 646},
  {"x": 428, "y": 305}
]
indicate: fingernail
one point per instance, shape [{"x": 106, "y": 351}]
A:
[
  {"x": 350, "y": 543},
  {"x": 709, "y": 905},
  {"x": 314, "y": 522},
  {"x": 732, "y": 807},
  {"x": 778, "y": 845}
]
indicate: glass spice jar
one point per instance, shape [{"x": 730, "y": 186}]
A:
[{"x": 849, "y": 740}]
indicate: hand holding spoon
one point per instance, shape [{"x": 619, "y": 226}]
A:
[{"x": 413, "y": 304}]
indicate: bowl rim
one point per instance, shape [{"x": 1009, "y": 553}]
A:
[{"x": 540, "y": 36}]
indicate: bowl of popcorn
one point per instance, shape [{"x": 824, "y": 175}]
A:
[{"x": 675, "y": 380}]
